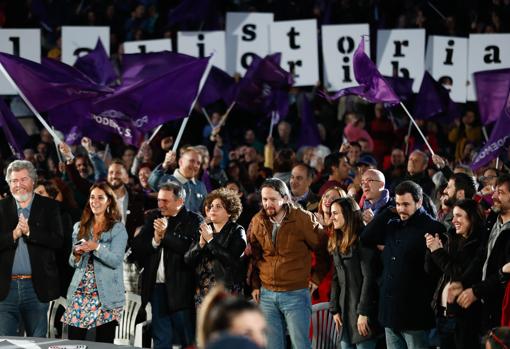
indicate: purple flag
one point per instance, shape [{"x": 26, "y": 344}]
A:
[
  {"x": 403, "y": 87},
  {"x": 47, "y": 87},
  {"x": 138, "y": 67},
  {"x": 499, "y": 137},
  {"x": 372, "y": 85},
  {"x": 308, "y": 132},
  {"x": 97, "y": 66},
  {"x": 152, "y": 102},
  {"x": 491, "y": 92},
  {"x": 264, "y": 87},
  {"x": 433, "y": 100},
  {"x": 16, "y": 135},
  {"x": 76, "y": 121}
]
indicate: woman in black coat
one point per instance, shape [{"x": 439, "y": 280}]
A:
[
  {"x": 353, "y": 288},
  {"x": 451, "y": 256},
  {"x": 217, "y": 256}
]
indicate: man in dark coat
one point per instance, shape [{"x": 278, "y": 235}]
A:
[
  {"x": 30, "y": 233},
  {"x": 406, "y": 290},
  {"x": 167, "y": 282}
]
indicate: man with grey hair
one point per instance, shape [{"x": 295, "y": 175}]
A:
[
  {"x": 30, "y": 233},
  {"x": 167, "y": 282}
]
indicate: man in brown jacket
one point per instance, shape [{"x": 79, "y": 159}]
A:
[{"x": 282, "y": 238}]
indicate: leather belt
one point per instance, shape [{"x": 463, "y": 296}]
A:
[{"x": 20, "y": 277}]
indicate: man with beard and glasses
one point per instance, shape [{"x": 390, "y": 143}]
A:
[
  {"x": 460, "y": 186},
  {"x": 282, "y": 238},
  {"x": 485, "y": 271},
  {"x": 30, "y": 233}
]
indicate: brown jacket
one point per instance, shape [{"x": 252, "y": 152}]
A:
[{"x": 286, "y": 264}]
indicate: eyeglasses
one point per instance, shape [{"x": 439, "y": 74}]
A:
[
  {"x": 368, "y": 181},
  {"x": 23, "y": 180}
]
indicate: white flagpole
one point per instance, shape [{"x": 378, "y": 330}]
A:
[
  {"x": 207, "y": 117},
  {"x": 416, "y": 125},
  {"x": 25, "y": 99}
]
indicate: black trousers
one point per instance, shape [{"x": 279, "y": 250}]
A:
[{"x": 104, "y": 333}]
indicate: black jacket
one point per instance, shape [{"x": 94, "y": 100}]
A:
[
  {"x": 451, "y": 262},
  {"x": 354, "y": 289},
  {"x": 492, "y": 289},
  {"x": 406, "y": 289},
  {"x": 225, "y": 249},
  {"x": 45, "y": 238},
  {"x": 181, "y": 233}
]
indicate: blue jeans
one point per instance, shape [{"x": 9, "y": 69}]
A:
[
  {"x": 22, "y": 303},
  {"x": 291, "y": 310},
  {"x": 406, "y": 339},
  {"x": 170, "y": 328}
]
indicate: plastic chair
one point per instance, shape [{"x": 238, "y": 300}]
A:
[
  {"x": 125, "y": 332},
  {"x": 324, "y": 333},
  {"x": 140, "y": 327},
  {"x": 52, "y": 313}
]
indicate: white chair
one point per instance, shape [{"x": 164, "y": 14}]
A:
[
  {"x": 324, "y": 335},
  {"x": 125, "y": 332},
  {"x": 52, "y": 313},
  {"x": 139, "y": 327}
]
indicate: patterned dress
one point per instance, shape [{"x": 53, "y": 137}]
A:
[
  {"x": 207, "y": 280},
  {"x": 86, "y": 311}
]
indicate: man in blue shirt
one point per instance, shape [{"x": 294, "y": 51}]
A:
[{"x": 186, "y": 174}]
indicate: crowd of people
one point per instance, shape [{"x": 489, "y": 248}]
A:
[
  {"x": 415, "y": 257},
  {"x": 238, "y": 232}
]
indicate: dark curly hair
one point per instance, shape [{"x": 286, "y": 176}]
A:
[{"x": 230, "y": 200}]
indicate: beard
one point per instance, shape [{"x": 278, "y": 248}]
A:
[
  {"x": 116, "y": 184},
  {"x": 270, "y": 212},
  {"x": 22, "y": 197}
]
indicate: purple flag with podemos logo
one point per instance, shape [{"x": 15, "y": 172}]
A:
[
  {"x": 308, "y": 132},
  {"x": 97, "y": 66},
  {"x": 498, "y": 139},
  {"x": 47, "y": 87},
  {"x": 372, "y": 85},
  {"x": 491, "y": 92},
  {"x": 152, "y": 102},
  {"x": 433, "y": 100},
  {"x": 76, "y": 121},
  {"x": 15, "y": 134}
]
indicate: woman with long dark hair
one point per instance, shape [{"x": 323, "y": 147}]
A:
[
  {"x": 353, "y": 288},
  {"x": 451, "y": 255},
  {"x": 321, "y": 292},
  {"x": 96, "y": 294}
]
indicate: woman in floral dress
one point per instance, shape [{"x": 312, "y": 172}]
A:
[
  {"x": 95, "y": 297},
  {"x": 217, "y": 256}
]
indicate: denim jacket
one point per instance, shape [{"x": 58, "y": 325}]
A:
[{"x": 108, "y": 267}]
